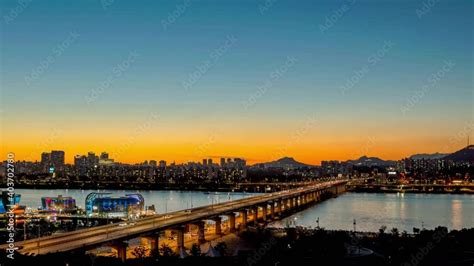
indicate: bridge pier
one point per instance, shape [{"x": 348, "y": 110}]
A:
[
  {"x": 279, "y": 207},
  {"x": 272, "y": 210},
  {"x": 264, "y": 212},
  {"x": 180, "y": 237},
  {"x": 201, "y": 232},
  {"x": 154, "y": 242},
  {"x": 231, "y": 222},
  {"x": 218, "y": 221},
  {"x": 255, "y": 214},
  {"x": 244, "y": 218},
  {"x": 121, "y": 248}
]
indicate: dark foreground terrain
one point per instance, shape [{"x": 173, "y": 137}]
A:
[{"x": 300, "y": 246}]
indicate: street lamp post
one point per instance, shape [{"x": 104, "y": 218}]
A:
[{"x": 24, "y": 230}]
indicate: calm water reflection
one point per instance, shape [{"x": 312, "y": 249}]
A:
[{"x": 403, "y": 211}]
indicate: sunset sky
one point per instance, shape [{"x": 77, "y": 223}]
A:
[{"x": 184, "y": 80}]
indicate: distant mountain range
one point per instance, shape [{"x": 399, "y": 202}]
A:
[
  {"x": 285, "y": 162},
  {"x": 463, "y": 155},
  {"x": 371, "y": 161},
  {"x": 428, "y": 156}
]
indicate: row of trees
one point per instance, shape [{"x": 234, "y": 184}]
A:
[{"x": 141, "y": 252}]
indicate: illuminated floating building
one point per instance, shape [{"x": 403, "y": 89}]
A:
[
  {"x": 59, "y": 203},
  {"x": 105, "y": 205},
  {"x": 9, "y": 200}
]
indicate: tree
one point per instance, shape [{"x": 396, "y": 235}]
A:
[
  {"x": 404, "y": 234},
  {"x": 166, "y": 251},
  {"x": 140, "y": 252},
  {"x": 221, "y": 247},
  {"x": 394, "y": 231},
  {"x": 196, "y": 250},
  {"x": 382, "y": 229}
]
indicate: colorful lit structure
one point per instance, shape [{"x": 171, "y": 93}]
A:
[
  {"x": 11, "y": 201},
  {"x": 105, "y": 205},
  {"x": 59, "y": 203}
]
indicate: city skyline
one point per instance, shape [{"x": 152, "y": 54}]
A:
[
  {"x": 252, "y": 79},
  {"x": 105, "y": 155}
]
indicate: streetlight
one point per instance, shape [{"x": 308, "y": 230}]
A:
[
  {"x": 166, "y": 204},
  {"x": 24, "y": 230}
]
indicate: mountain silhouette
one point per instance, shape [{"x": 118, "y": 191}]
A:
[
  {"x": 463, "y": 155},
  {"x": 371, "y": 161},
  {"x": 429, "y": 156},
  {"x": 285, "y": 162}
]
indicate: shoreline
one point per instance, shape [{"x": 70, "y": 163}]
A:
[
  {"x": 225, "y": 188},
  {"x": 391, "y": 191}
]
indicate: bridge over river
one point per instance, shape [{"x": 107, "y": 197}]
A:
[{"x": 238, "y": 213}]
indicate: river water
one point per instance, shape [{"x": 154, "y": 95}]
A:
[
  {"x": 370, "y": 210},
  {"x": 403, "y": 211}
]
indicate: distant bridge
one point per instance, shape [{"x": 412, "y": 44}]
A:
[
  {"x": 467, "y": 187},
  {"x": 272, "y": 186},
  {"x": 258, "y": 208}
]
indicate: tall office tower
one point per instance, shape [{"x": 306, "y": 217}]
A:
[
  {"x": 57, "y": 159},
  {"x": 240, "y": 163},
  {"x": 222, "y": 162},
  {"x": 204, "y": 162},
  {"x": 209, "y": 162},
  {"x": 162, "y": 164},
  {"x": 104, "y": 156},
  {"x": 80, "y": 161},
  {"x": 46, "y": 159},
  {"x": 92, "y": 159},
  {"x": 153, "y": 163}
]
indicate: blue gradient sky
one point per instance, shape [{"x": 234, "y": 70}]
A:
[{"x": 311, "y": 87}]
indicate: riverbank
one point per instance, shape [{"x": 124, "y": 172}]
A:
[
  {"x": 304, "y": 246},
  {"x": 136, "y": 186}
]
